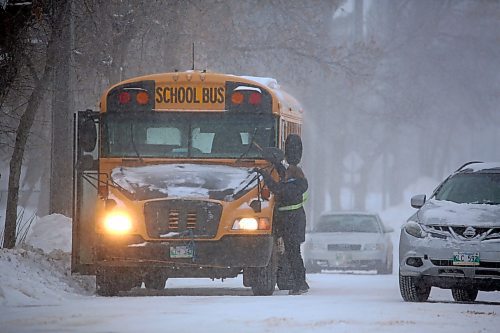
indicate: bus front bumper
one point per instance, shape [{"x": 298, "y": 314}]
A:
[{"x": 228, "y": 252}]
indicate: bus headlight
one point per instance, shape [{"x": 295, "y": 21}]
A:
[
  {"x": 117, "y": 222},
  {"x": 251, "y": 223}
]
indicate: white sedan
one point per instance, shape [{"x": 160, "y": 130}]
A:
[{"x": 349, "y": 241}]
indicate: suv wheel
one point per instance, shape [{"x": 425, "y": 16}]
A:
[
  {"x": 464, "y": 295},
  {"x": 413, "y": 289}
]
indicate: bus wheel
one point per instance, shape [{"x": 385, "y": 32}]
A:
[
  {"x": 155, "y": 279},
  {"x": 264, "y": 278},
  {"x": 107, "y": 281}
]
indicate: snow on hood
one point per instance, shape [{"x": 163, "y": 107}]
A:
[
  {"x": 184, "y": 180},
  {"x": 440, "y": 212}
]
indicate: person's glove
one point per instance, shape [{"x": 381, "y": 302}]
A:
[
  {"x": 257, "y": 170},
  {"x": 265, "y": 175}
]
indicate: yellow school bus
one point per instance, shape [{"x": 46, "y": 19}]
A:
[{"x": 164, "y": 181}]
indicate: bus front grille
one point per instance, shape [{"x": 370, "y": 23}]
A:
[{"x": 182, "y": 219}]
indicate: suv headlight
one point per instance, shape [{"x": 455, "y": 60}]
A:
[{"x": 415, "y": 229}]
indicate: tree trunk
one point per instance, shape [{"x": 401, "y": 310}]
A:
[
  {"x": 23, "y": 130},
  {"x": 61, "y": 169}
]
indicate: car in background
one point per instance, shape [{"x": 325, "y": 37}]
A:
[
  {"x": 349, "y": 241},
  {"x": 453, "y": 240}
]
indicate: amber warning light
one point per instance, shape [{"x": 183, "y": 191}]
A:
[
  {"x": 141, "y": 97},
  {"x": 250, "y": 95}
]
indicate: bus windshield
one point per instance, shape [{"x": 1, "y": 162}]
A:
[{"x": 187, "y": 134}]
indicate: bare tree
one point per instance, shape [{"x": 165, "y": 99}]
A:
[{"x": 53, "y": 13}]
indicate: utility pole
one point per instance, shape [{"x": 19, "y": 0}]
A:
[{"x": 61, "y": 182}]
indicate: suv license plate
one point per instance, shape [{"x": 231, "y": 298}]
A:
[
  {"x": 466, "y": 258},
  {"x": 181, "y": 251}
]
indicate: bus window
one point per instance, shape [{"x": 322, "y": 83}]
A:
[
  {"x": 163, "y": 136},
  {"x": 202, "y": 141}
]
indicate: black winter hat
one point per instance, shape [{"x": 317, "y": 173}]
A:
[{"x": 293, "y": 149}]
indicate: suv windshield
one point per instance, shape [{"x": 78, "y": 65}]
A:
[
  {"x": 348, "y": 223},
  {"x": 187, "y": 134},
  {"x": 481, "y": 188}
]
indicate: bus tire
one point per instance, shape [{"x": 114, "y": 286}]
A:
[
  {"x": 264, "y": 278},
  {"x": 107, "y": 281},
  {"x": 155, "y": 279}
]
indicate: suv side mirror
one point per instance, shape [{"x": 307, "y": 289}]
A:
[
  {"x": 417, "y": 201},
  {"x": 388, "y": 229}
]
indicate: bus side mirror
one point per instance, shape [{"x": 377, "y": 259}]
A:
[
  {"x": 87, "y": 135},
  {"x": 256, "y": 206},
  {"x": 86, "y": 163}
]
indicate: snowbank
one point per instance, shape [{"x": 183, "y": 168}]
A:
[
  {"x": 39, "y": 271},
  {"x": 51, "y": 232}
]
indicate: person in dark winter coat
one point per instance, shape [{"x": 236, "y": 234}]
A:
[{"x": 290, "y": 194}]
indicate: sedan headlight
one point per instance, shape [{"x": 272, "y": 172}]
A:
[
  {"x": 415, "y": 229},
  {"x": 117, "y": 222},
  {"x": 251, "y": 223}
]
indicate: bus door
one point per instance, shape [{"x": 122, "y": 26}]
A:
[{"x": 85, "y": 190}]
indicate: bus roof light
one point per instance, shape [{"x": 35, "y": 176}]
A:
[
  {"x": 124, "y": 97},
  {"x": 142, "y": 98},
  {"x": 255, "y": 98},
  {"x": 237, "y": 98}
]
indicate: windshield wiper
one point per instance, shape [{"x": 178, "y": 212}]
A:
[
  {"x": 250, "y": 145},
  {"x": 133, "y": 144}
]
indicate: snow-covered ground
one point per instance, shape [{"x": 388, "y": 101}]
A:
[{"x": 38, "y": 294}]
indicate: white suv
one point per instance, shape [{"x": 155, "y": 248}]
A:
[{"x": 453, "y": 240}]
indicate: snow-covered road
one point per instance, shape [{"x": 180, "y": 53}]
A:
[{"x": 336, "y": 303}]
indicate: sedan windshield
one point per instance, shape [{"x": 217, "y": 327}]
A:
[
  {"x": 348, "y": 223},
  {"x": 187, "y": 134},
  {"x": 478, "y": 188}
]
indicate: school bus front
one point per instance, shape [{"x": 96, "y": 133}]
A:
[{"x": 178, "y": 196}]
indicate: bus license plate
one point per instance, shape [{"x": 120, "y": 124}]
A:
[
  {"x": 466, "y": 258},
  {"x": 181, "y": 251}
]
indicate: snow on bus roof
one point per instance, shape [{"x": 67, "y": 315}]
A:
[{"x": 266, "y": 81}]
